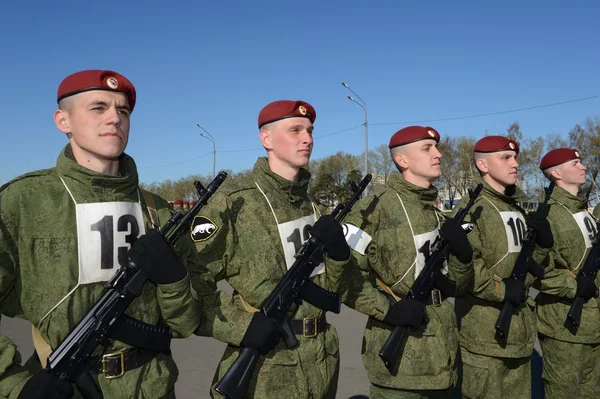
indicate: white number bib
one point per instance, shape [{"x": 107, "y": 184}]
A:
[
  {"x": 423, "y": 243},
  {"x": 105, "y": 232},
  {"x": 356, "y": 238},
  {"x": 514, "y": 223},
  {"x": 587, "y": 226},
  {"x": 293, "y": 234}
]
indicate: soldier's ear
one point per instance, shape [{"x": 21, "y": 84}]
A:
[
  {"x": 401, "y": 160},
  {"x": 266, "y": 139},
  {"x": 61, "y": 120},
  {"x": 481, "y": 164}
]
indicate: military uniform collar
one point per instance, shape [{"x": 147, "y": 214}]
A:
[
  {"x": 513, "y": 193},
  {"x": 399, "y": 184},
  {"x": 572, "y": 202},
  {"x": 109, "y": 188},
  {"x": 296, "y": 191}
]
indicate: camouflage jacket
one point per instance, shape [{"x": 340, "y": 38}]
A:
[
  {"x": 574, "y": 229},
  {"x": 496, "y": 237},
  {"x": 39, "y": 267},
  {"x": 238, "y": 234},
  {"x": 398, "y": 227}
]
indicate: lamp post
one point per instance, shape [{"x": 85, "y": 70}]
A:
[
  {"x": 212, "y": 140},
  {"x": 363, "y": 105}
]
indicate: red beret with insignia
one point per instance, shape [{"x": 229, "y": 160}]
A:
[
  {"x": 496, "y": 144},
  {"x": 96, "y": 80},
  {"x": 284, "y": 109},
  {"x": 178, "y": 202},
  {"x": 558, "y": 156},
  {"x": 411, "y": 134}
]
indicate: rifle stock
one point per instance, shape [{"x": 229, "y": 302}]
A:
[{"x": 290, "y": 289}]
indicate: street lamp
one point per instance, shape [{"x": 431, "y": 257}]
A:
[
  {"x": 212, "y": 140},
  {"x": 363, "y": 105}
]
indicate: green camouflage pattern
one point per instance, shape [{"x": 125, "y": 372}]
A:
[
  {"x": 39, "y": 266},
  {"x": 571, "y": 370},
  {"x": 429, "y": 358},
  {"x": 379, "y": 392},
  {"x": 485, "y": 377},
  {"x": 596, "y": 211},
  {"x": 478, "y": 311},
  {"x": 559, "y": 286},
  {"x": 246, "y": 251}
]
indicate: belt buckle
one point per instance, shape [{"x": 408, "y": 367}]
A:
[
  {"x": 436, "y": 297},
  {"x": 305, "y": 323},
  {"x": 106, "y": 358}
]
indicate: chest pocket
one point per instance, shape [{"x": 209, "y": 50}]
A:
[
  {"x": 515, "y": 227},
  {"x": 587, "y": 226}
]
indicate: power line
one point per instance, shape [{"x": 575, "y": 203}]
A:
[
  {"x": 176, "y": 163},
  {"x": 491, "y": 113}
]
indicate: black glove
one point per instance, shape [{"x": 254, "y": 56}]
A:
[
  {"x": 543, "y": 234},
  {"x": 262, "y": 334},
  {"x": 460, "y": 246},
  {"x": 406, "y": 313},
  {"x": 43, "y": 385},
  {"x": 515, "y": 291},
  {"x": 586, "y": 288},
  {"x": 152, "y": 254},
  {"x": 331, "y": 234}
]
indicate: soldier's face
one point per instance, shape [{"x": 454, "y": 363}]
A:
[
  {"x": 572, "y": 172},
  {"x": 422, "y": 160},
  {"x": 290, "y": 142},
  {"x": 502, "y": 167},
  {"x": 98, "y": 122}
]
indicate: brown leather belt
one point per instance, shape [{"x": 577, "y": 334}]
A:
[
  {"x": 114, "y": 365},
  {"x": 309, "y": 327}
]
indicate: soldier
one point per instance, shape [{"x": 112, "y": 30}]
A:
[
  {"x": 250, "y": 235},
  {"x": 178, "y": 206},
  {"x": 59, "y": 230},
  {"x": 492, "y": 369},
  {"x": 571, "y": 357},
  {"x": 391, "y": 234},
  {"x": 186, "y": 206}
]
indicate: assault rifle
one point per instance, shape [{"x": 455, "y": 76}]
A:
[
  {"x": 70, "y": 361},
  {"x": 421, "y": 288},
  {"x": 523, "y": 265},
  {"x": 588, "y": 271},
  {"x": 294, "y": 286}
]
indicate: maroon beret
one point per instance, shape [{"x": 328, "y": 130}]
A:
[
  {"x": 411, "y": 134},
  {"x": 193, "y": 203},
  {"x": 96, "y": 80},
  {"x": 283, "y": 109},
  {"x": 178, "y": 202},
  {"x": 558, "y": 156},
  {"x": 495, "y": 144}
]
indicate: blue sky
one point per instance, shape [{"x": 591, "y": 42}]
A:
[{"x": 218, "y": 64}]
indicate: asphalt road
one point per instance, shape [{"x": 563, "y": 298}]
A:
[{"x": 198, "y": 357}]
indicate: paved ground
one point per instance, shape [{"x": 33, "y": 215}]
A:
[{"x": 197, "y": 357}]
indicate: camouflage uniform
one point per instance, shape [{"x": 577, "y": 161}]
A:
[
  {"x": 402, "y": 223},
  {"x": 245, "y": 248},
  {"x": 39, "y": 271},
  {"x": 571, "y": 358},
  {"x": 492, "y": 370}
]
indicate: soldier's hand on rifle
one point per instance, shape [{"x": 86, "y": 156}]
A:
[
  {"x": 43, "y": 385},
  {"x": 407, "y": 313},
  {"x": 262, "y": 334},
  {"x": 331, "y": 234},
  {"x": 515, "y": 291},
  {"x": 153, "y": 254},
  {"x": 586, "y": 288},
  {"x": 460, "y": 246},
  {"x": 543, "y": 234}
]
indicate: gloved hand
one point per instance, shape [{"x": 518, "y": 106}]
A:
[
  {"x": 515, "y": 291},
  {"x": 586, "y": 288},
  {"x": 152, "y": 254},
  {"x": 406, "y": 313},
  {"x": 543, "y": 234},
  {"x": 43, "y": 385},
  {"x": 331, "y": 234},
  {"x": 262, "y": 334},
  {"x": 460, "y": 246}
]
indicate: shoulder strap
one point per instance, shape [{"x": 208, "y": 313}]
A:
[{"x": 151, "y": 205}]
